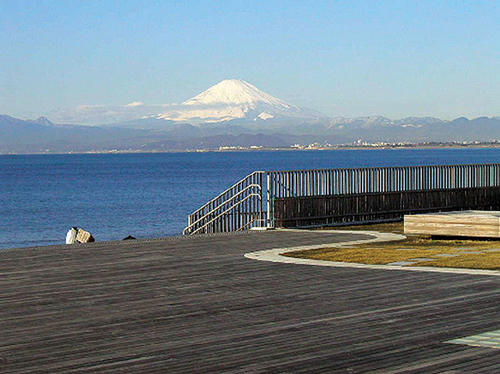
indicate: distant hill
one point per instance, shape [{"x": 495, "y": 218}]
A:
[
  {"x": 416, "y": 129},
  {"x": 27, "y": 136},
  {"x": 41, "y": 135},
  {"x": 230, "y": 113}
]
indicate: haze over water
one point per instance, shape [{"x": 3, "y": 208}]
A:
[{"x": 150, "y": 195}]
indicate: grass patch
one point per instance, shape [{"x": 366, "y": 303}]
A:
[
  {"x": 391, "y": 227},
  {"x": 413, "y": 247},
  {"x": 372, "y": 256},
  {"x": 489, "y": 261}
]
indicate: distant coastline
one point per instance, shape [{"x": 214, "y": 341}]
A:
[{"x": 311, "y": 147}]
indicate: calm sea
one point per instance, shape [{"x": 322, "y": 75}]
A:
[{"x": 150, "y": 195}]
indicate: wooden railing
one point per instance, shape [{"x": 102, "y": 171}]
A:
[
  {"x": 307, "y": 211},
  {"x": 381, "y": 179},
  {"x": 251, "y": 201}
]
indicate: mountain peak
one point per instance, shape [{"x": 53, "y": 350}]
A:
[
  {"x": 44, "y": 121},
  {"x": 235, "y": 99},
  {"x": 236, "y": 92}
]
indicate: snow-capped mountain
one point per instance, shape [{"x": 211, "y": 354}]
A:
[
  {"x": 231, "y": 113},
  {"x": 42, "y": 135},
  {"x": 234, "y": 99},
  {"x": 382, "y": 122}
]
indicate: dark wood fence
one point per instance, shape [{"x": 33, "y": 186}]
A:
[
  {"x": 316, "y": 197},
  {"x": 379, "y": 206}
]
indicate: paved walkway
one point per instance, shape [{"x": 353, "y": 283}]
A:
[
  {"x": 198, "y": 305},
  {"x": 275, "y": 255}
]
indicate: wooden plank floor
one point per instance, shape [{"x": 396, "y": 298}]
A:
[
  {"x": 197, "y": 305},
  {"x": 469, "y": 223}
]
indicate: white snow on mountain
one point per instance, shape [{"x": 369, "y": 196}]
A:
[
  {"x": 236, "y": 91},
  {"x": 264, "y": 116},
  {"x": 235, "y": 99},
  {"x": 231, "y": 99},
  {"x": 379, "y": 122}
]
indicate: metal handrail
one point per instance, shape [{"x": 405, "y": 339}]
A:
[
  {"x": 374, "y": 167},
  {"x": 287, "y": 183},
  {"x": 249, "y": 223},
  {"x": 220, "y": 215},
  {"x": 224, "y": 203},
  {"x": 230, "y": 188}
]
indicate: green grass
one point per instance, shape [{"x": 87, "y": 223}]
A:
[{"x": 383, "y": 253}]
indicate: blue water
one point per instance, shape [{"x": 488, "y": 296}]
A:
[{"x": 150, "y": 195}]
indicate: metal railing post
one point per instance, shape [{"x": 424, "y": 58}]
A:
[{"x": 268, "y": 200}]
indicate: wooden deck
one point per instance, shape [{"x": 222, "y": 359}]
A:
[
  {"x": 197, "y": 305},
  {"x": 470, "y": 223}
]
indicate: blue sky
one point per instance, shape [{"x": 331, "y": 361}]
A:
[{"x": 343, "y": 58}]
